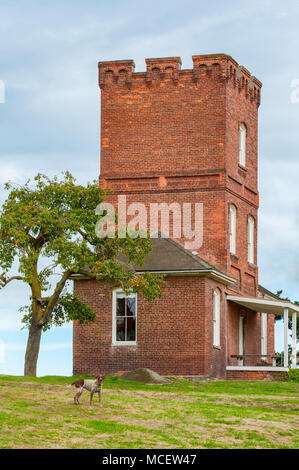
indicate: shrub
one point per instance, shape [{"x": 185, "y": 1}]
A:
[{"x": 293, "y": 374}]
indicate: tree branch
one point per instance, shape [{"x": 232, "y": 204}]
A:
[
  {"x": 4, "y": 281},
  {"x": 54, "y": 298}
]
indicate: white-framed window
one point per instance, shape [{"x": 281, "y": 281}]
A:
[
  {"x": 124, "y": 318},
  {"x": 232, "y": 229},
  {"x": 216, "y": 317},
  {"x": 242, "y": 144},
  {"x": 250, "y": 240},
  {"x": 264, "y": 335}
]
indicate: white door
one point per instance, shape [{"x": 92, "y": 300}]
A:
[
  {"x": 241, "y": 339},
  {"x": 264, "y": 335}
]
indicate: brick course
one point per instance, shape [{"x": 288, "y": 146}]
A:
[{"x": 256, "y": 375}]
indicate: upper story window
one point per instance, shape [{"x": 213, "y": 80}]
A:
[
  {"x": 242, "y": 144},
  {"x": 216, "y": 317},
  {"x": 250, "y": 239},
  {"x": 232, "y": 229},
  {"x": 124, "y": 318}
]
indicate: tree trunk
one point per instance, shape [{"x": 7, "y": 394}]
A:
[{"x": 32, "y": 349}]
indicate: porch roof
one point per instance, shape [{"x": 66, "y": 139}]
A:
[{"x": 258, "y": 304}]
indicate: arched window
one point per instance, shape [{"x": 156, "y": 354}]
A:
[
  {"x": 232, "y": 229},
  {"x": 250, "y": 240},
  {"x": 242, "y": 145},
  {"x": 216, "y": 317}
]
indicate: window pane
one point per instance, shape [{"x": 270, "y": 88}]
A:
[
  {"x": 250, "y": 240},
  {"x": 120, "y": 329},
  {"x": 242, "y": 144},
  {"x": 120, "y": 307},
  {"x": 131, "y": 307},
  {"x": 216, "y": 318},
  {"x": 131, "y": 329},
  {"x": 232, "y": 229}
]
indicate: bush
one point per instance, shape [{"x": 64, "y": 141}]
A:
[{"x": 293, "y": 375}]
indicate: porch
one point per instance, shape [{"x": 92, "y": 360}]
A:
[{"x": 266, "y": 363}]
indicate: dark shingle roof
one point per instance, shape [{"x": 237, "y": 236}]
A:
[
  {"x": 263, "y": 291},
  {"x": 168, "y": 256}
]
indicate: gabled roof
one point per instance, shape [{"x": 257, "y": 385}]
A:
[
  {"x": 169, "y": 257},
  {"x": 267, "y": 293}
]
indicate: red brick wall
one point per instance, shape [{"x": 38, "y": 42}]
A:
[
  {"x": 255, "y": 375},
  {"x": 173, "y": 333},
  {"x": 270, "y": 334}
]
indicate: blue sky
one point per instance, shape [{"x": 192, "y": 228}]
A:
[{"x": 50, "y": 119}]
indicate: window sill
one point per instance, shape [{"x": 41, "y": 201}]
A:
[
  {"x": 217, "y": 347},
  {"x": 252, "y": 266},
  {"x": 242, "y": 168},
  {"x": 124, "y": 343},
  {"x": 234, "y": 257}
]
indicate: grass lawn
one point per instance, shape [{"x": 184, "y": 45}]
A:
[{"x": 39, "y": 413}]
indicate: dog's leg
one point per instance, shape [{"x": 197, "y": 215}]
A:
[
  {"x": 78, "y": 395},
  {"x": 90, "y": 401},
  {"x": 100, "y": 398}
]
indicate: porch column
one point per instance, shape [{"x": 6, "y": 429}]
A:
[
  {"x": 285, "y": 324},
  {"x": 294, "y": 339}
]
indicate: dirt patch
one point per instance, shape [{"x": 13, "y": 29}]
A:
[
  {"x": 32, "y": 385},
  {"x": 145, "y": 376}
]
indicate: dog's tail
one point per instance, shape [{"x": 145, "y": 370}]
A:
[{"x": 78, "y": 383}]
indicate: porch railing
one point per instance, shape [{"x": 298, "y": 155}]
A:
[{"x": 242, "y": 357}]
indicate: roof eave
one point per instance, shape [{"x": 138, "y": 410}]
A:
[{"x": 213, "y": 274}]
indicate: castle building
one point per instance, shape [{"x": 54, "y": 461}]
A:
[{"x": 169, "y": 137}]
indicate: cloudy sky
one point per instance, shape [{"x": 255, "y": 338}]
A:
[{"x": 50, "y": 119}]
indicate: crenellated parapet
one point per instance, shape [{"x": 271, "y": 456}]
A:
[
  {"x": 159, "y": 69},
  {"x": 221, "y": 67},
  {"x": 116, "y": 71},
  {"x": 229, "y": 70}
]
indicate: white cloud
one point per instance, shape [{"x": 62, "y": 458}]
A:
[
  {"x": 279, "y": 225},
  {"x": 9, "y": 172}
]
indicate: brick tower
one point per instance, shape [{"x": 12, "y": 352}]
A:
[
  {"x": 182, "y": 136},
  {"x": 173, "y": 135}
]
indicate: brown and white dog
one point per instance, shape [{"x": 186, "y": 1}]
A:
[{"x": 92, "y": 386}]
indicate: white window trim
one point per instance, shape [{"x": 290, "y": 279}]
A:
[
  {"x": 114, "y": 341},
  {"x": 250, "y": 239},
  {"x": 232, "y": 229},
  {"x": 242, "y": 144},
  {"x": 216, "y": 318}
]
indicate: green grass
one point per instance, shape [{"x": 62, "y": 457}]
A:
[{"x": 39, "y": 413}]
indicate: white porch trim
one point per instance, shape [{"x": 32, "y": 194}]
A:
[
  {"x": 294, "y": 340},
  {"x": 285, "y": 341},
  {"x": 265, "y": 305},
  {"x": 278, "y": 307},
  {"x": 259, "y": 368}
]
